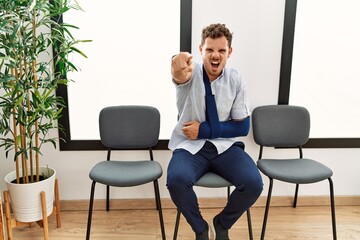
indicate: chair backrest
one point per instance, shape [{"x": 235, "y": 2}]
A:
[
  {"x": 281, "y": 125},
  {"x": 129, "y": 127}
]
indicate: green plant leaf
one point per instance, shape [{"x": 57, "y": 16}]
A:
[{"x": 28, "y": 80}]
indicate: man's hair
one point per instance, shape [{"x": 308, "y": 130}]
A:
[{"x": 214, "y": 31}]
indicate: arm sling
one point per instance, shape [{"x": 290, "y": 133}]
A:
[{"x": 212, "y": 127}]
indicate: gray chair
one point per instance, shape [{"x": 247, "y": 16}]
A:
[
  {"x": 127, "y": 128},
  {"x": 212, "y": 180},
  {"x": 284, "y": 126}
]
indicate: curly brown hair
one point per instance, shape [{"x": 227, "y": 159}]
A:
[{"x": 216, "y": 30}]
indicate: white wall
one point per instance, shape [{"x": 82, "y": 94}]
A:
[{"x": 257, "y": 27}]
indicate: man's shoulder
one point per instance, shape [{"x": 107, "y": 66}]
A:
[
  {"x": 232, "y": 71},
  {"x": 232, "y": 75}
]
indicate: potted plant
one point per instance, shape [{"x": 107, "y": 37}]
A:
[{"x": 29, "y": 107}]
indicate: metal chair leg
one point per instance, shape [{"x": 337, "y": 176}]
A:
[
  {"x": 177, "y": 222},
  {"x": 158, "y": 205},
  {"x": 248, "y": 214},
  {"x": 228, "y": 193},
  {"x": 90, "y": 210},
  {"x": 266, "y": 209},
  {"x": 107, "y": 198},
  {"x": 296, "y": 195},
  {"x": 332, "y": 201}
]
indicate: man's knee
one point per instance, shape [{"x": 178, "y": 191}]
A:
[
  {"x": 178, "y": 182},
  {"x": 253, "y": 187},
  {"x": 256, "y": 186}
]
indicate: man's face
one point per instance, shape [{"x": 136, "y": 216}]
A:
[{"x": 215, "y": 53}]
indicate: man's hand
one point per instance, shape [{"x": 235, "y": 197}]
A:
[
  {"x": 191, "y": 129},
  {"x": 182, "y": 67}
]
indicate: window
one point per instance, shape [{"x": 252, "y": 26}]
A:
[
  {"x": 131, "y": 41},
  {"x": 320, "y": 68}
]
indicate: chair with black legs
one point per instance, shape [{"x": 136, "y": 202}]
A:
[
  {"x": 212, "y": 180},
  {"x": 285, "y": 126},
  {"x": 127, "y": 128}
]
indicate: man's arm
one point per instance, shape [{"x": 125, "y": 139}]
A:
[
  {"x": 182, "y": 67},
  {"x": 228, "y": 129}
]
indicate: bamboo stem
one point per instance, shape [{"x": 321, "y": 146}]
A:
[
  {"x": 20, "y": 75},
  {"x": 15, "y": 138},
  {"x": 26, "y": 69},
  {"x": 35, "y": 81},
  {"x": 23, "y": 157}
]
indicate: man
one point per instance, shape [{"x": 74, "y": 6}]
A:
[{"x": 204, "y": 138}]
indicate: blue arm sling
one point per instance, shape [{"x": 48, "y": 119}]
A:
[
  {"x": 228, "y": 129},
  {"x": 212, "y": 127}
]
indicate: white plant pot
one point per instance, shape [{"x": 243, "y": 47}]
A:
[{"x": 25, "y": 199}]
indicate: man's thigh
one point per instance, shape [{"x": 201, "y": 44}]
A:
[{"x": 235, "y": 165}]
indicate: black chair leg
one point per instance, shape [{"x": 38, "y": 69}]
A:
[
  {"x": 228, "y": 193},
  {"x": 90, "y": 210},
  {"x": 158, "y": 205},
  {"x": 296, "y": 195},
  {"x": 177, "y": 222},
  {"x": 266, "y": 210},
  {"x": 332, "y": 201},
  {"x": 248, "y": 214},
  {"x": 107, "y": 198}
]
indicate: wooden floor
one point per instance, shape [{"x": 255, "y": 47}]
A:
[{"x": 285, "y": 223}]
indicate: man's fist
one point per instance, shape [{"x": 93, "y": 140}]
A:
[
  {"x": 182, "y": 67},
  {"x": 191, "y": 129}
]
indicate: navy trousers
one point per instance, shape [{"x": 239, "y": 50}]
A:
[{"x": 234, "y": 165}]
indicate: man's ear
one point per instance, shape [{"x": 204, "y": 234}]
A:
[{"x": 230, "y": 51}]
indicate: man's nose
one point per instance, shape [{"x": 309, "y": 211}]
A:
[{"x": 215, "y": 54}]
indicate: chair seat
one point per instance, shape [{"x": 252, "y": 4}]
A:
[
  {"x": 212, "y": 180},
  {"x": 125, "y": 173},
  {"x": 299, "y": 171}
]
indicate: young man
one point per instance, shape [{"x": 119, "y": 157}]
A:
[{"x": 204, "y": 136}]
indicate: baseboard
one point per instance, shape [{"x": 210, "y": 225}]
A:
[{"x": 276, "y": 201}]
